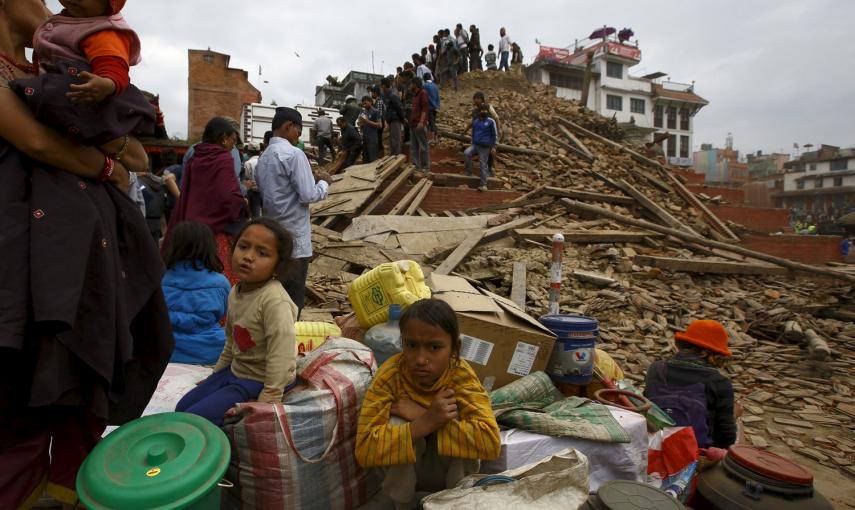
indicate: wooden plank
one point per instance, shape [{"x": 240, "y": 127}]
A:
[
  {"x": 582, "y": 147},
  {"x": 567, "y": 146},
  {"x": 707, "y": 266},
  {"x": 512, "y": 204},
  {"x": 408, "y": 198},
  {"x": 365, "y": 257},
  {"x": 449, "y": 214},
  {"x": 585, "y": 236},
  {"x": 518, "y": 285},
  {"x": 588, "y": 195},
  {"x": 490, "y": 234},
  {"x": 582, "y": 208},
  {"x": 693, "y": 200},
  {"x": 657, "y": 211},
  {"x": 472, "y": 181},
  {"x": 319, "y": 212},
  {"x": 389, "y": 165},
  {"x": 595, "y": 278},
  {"x": 331, "y": 234},
  {"x": 459, "y": 253},
  {"x": 389, "y": 190},
  {"x": 635, "y": 155},
  {"x": 422, "y": 212},
  {"x": 417, "y": 201}
]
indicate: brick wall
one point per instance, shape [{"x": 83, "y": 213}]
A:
[
  {"x": 732, "y": 195},
  {"x": 215, "y": 90},
  {"x": 806, "y": 249},
  {"x": 755, "y": 219},
  {"x": 441, "y": 199}
]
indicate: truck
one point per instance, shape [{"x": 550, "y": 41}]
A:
[{"x": 256, "y": 119}]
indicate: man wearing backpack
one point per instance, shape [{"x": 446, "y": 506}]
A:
[
  {"x": 690, "y": 388},
  {"x": 156, "y": 189}
]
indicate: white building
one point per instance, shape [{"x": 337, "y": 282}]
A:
[
  {"x": 820, "y": 181},
  {"x": 647, "y": 104}
]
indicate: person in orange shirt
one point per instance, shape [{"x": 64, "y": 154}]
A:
[{"x": 85, "y": 53}]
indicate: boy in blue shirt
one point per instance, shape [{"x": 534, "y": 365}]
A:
[
  {"x": 485, "y": 136},
  {"x": 433, "y": 103}
]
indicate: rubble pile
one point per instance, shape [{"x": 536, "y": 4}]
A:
[{"x": 792, "y": 332}]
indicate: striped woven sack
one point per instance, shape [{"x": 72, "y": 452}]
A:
[{"x": 300, "y": 454}]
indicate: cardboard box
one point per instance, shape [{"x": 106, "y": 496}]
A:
[{"x": 500, "y": 341}]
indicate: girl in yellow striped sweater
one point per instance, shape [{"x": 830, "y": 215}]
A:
[{"x": 426, "y": 418}]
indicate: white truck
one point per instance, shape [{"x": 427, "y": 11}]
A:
[{"x": 256, "y": 119}]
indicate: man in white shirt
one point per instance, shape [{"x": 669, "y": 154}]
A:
[
  {"x": 504, "y": 49},
  {"x": 287, "y": 186},
  {"x": 324, "y": 132}
]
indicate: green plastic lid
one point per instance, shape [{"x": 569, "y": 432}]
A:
[
  {"x": 165, "y": 460},
  {"x": 629, "y": 495}
]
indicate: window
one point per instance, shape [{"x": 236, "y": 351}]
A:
[
  {"x": 812, "y": 167},
  {"x": 817, "y": 183},
  {"x": 838, "y": 181},
  {"x": 636, "y": 105},
  {"x": 565, "y": 82},
  {"x": 684, "y": 119},
  {"x": 684, "y": 146},
  {"x": 839, "y": 164},
  {"x": 672, "y": 146},
  {"x": 614, "y": 102},
  {"x": 614, "y": 70},
  {"x": 657, "y": 116},
  {"x": 672, "y": 117},
  {"x": 800, "y": 184},
  {"x": 208, "y": 58}
]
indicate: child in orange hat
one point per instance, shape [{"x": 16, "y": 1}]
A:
[
  {"x": 690, "y": 387},
  {"x": 85, "y": 53}
]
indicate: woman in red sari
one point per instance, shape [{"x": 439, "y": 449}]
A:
[{"x": 210, "y": 193}]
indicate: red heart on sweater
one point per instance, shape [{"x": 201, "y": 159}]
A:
[{"x": 242, "y": 338}]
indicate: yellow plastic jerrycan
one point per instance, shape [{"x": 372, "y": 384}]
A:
[
  {"x": 394, "y": 283},
  {"x": 310, "y": 335}
]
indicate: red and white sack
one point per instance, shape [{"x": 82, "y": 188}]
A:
[{"x": 300, "y": 454}]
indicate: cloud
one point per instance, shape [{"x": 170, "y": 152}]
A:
[{"x": 774, "y": 72}]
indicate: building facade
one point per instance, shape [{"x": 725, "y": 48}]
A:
[
  {"x": 720, "y": 166},
  {"x": 646, "y": 104},
  {"x": 820, "y": 182},
  {"x": 355, "y": 84},
  {"x": 215, "y": 89}
]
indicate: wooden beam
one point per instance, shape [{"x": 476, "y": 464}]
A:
[
  {"x": 422, "y": 212},
  {"x": 588, "y": 196},
  {"x": 619, "y": 146},
  {"x": 389, "y": 165},
  {"x": 579, "y": 207},
  {"x": 707, "y": 266},
  {"x": 329, "y": 204},
  {"x": 473, "y": 181},
  {"x": 390, "y": 189},
  {"x": 585, "y": 236},
  {"x": 490, "y": 234},
  {"x": 518, "y": 285},
  {"x": 417, "y": 201},
  {"x": 690, "y": 198},
  {"x": 582, "y": 147},
  {"x": 459, "y": 253},
  {"x": 500, "y": 147},
  {"x": 408, "y": 198},
  {"x": 510, "y": 205},
  {"x": 663, "y": 215},
  {"x": 567, "y": 146}
]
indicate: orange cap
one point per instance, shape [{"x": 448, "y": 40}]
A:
[{"x": 707, "y": 334}]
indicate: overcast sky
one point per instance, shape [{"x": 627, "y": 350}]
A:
[{"x": 775, "y": 72}]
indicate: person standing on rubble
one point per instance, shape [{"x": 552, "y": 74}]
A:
[
  {"x": 324, "y": 132},
  {"x": 287, "y": 186},
  {"x": 475, "y": 50},
  {"x": 380, "y": 105},
  {"x": 394, "y": 115},
  {"x": 370, "y": 122},
  {"x": 419, "y": 151},
  {"x": 484, "y": 140},
  {"x": 478, "y": 99},
  {"x": 433, "y": 104},
  {"x": 462, "y": 48},
  {"x": 504, "y": 49}
]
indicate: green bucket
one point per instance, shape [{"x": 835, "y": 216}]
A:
[{"x": 163, "y": 461}]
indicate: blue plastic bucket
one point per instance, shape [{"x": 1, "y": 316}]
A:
[{"x": 572, "y": 359}]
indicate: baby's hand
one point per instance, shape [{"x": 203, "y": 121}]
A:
[{"x": 95, "y": 90}]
